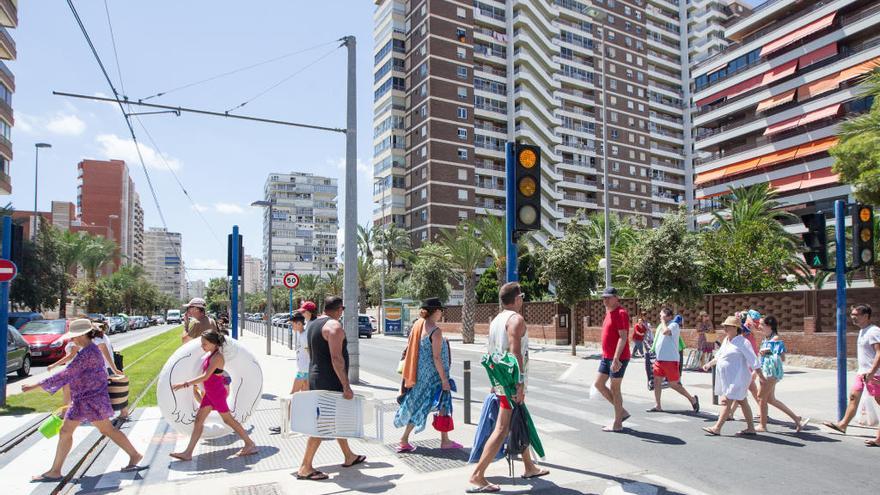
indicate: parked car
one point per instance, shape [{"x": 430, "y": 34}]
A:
[
  {"x": 46, "y": 339},
  {"x": 173, "y": 316},
  {"x": 374, "y": 323},
  {"x": 96, "y": 316},
  {"x": 365, "y": 328},
  {"x": 141, "y": 322},
  {"x": 18, "y": 319},
  {"x": 117, "y": 324},
  {"x": 157, "y": 320},
  {"x": 18, "y": 353}
]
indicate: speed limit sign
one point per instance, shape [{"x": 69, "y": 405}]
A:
[{"x": 291, "y": 280}]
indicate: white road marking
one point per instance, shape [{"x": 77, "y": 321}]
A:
[
  {"x": 141, "y": 437},
  {"x": 37, "y": 459}
]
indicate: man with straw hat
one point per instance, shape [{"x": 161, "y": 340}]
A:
[{"x": 196, "y": 321}]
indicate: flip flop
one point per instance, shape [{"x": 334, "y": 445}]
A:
[
  {"x": 179, "y": 457},
  {"x": 626, "y": 418},
  {"x": 403, "y": 449},
  {"x": 357, "y": 460},
  {"x": 246, "y": 452},
  {"x": 696, "y": 404},
  {"x": 834, "y": 427},
  {"x": 746, "y": 433},
  {"x": 872, "y": 443},
  {"x": 610, "y": 429},
  {"x": 711, "y": 432},
  {"x": 803, "y": 424},
  {"x": 539, "y": 474},
  {"x": 46, "y": 479},
  {"x": 490, "y": 488},
  {"x": 133, "y": 468},
  {"x": 654, "y": 409},
  {"x": 313, "y": 476},
  {"x": 451, "y": 446}
]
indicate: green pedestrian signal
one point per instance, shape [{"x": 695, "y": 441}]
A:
[
  {"x": 817, "y": 262},
  {"x": 815, "y": 241}
]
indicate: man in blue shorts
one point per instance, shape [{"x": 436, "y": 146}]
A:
[{"x": 615, "y": 356}]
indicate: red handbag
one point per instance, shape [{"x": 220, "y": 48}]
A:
[{"x": 443, "y": 423}]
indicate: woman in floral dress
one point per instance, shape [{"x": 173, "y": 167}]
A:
[
  {"x": 89, "y": 400},
  {"x": 432, "y": 375}
]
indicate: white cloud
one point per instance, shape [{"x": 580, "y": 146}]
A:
[
  {"x": 25, "y": 122},
  {"x": 200, "y": 208},
  {"x": 115, "y": 147},
  {"x": 208, "y": 263},
  {"x": 228, "y": 208},
  {"x": 362, "y": 167},
  {"x": 65, "y": 125}
]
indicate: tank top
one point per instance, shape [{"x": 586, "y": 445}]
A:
[
  {"x": 499, "y": 342},
  {"x": 322, "y": 376}
]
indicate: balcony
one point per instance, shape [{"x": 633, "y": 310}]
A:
[
  {"x": 5, "y": 183},
  {"x": 6, "y": 112},
  {"x": 7, "y": 45},
  {"x": 6, "y": 76},
  {"x": 6, "y": 148},
  {"x": 8, "y": 14}
]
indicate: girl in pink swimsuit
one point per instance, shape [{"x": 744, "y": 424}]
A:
[{"x": 214, "y": 397}]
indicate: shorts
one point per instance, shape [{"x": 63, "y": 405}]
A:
[
  {"x": 605, "y": 368},
  {"x": 503, "y": 403},
  {"x": 302, "y": 375},
  {"x": 873, "y": 388},
  {"x": 666, "y": 369}
]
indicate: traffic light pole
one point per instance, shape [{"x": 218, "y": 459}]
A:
[
  {"x": 510, "y": 187},
  {"x": 4, "y": 306},
  {"x": 840, "y": 279}
]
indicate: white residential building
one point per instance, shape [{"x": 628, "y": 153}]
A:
[{"x": 163, "y": 263}]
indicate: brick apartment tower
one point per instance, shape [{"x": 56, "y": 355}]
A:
[
  {"x": 8, "y": 19},
  {"x": 106, "y": 197}
]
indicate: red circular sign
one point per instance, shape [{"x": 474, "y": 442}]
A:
[
  {"x": 291, "y": 280},
  {"x": 8, "y": 270}
]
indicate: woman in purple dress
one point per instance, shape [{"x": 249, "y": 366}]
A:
[{"x": 89, "y": 400}]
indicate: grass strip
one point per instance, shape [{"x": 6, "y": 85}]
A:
[{"x": 143, "y": 361}]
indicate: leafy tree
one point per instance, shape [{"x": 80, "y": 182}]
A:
[
  {"x": 757, "y": 203},
  {"x": 334, "y": 282},
  {"x": 311, "y": 288},
  {"x": 750, "y": 258},
  {"x": 623, "y": 237},
  {"x": 465, "y": 253},
  {"x": 487, "y": 286},
  {"x": 493, "y": 235},
  {"x": 366, "y": 268},
  {"x": 71, "y": 247},
  {"x": 38, "y": 283},
  {"x": 529, "y": 279},
  {"x": 429, "y": 274},
  {"x": 663, "y": 266},
  {"x": 98, "y": 252},
  {"x": 217, "y": 294},
  {"x": 857, "y": 154}
]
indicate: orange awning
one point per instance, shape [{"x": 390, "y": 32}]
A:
[
  {"x": 732, "y": 91},
  {"x": 803, "y": 119},
  {"x": 709, "y": 176},
  {"x": 767, "y": 160},
  {"x": 797, "y": 34},
  {"x": 817, "y": 55},
  {"x": 713, "y": 195},
  {"x": 829, "y": 83},
  {"x": 775, "y": 101},
  {"x": 815, "y": 147},
  {"x": 741, "y": 167},
  {"x": 858, "y": 70},
  {"x": 777, "y": 157},
  {"x": 807, "y": 180},
  {"x": 777, "y": 73}
]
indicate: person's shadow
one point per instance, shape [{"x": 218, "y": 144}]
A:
[
  {"x": 356, "y": 480},
  {"x": 652, "y": 437}
]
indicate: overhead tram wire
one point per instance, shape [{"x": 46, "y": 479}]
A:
[
  {"x": 284, "y": 80},
  {"x": 236, "y": 71},
  {"x": 127, "y": 121}
]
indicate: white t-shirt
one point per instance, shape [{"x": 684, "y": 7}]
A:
[
  {"x": 301, "y": 345},
  {"x": 667, "y": 345},
  {"x": 868, "y": 336},
  {"x": 106, "y": 341}
]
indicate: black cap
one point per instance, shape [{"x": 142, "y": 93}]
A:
[
  {"x": 432, "y": 303},
  {"x": 610, "y": 292}
]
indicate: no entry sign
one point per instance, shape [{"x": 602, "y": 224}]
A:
[
  {"x": 8, "y": 270},
  {"x": 291, "y": 280}
]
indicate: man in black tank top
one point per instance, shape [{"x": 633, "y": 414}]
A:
[{"x": 328, "y": 371}]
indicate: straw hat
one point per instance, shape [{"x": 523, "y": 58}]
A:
[
  {"x": 196, "y": 302},
  {"x": 731, "y": 321},
  {"x": 79, "y": 327}
]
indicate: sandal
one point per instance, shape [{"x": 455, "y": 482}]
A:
[
  {"x": 834, "y": 427},
  {"x": 246, "y": 451},
  {"x": 539, "y": 474},
  {"x": 46, "y": 479},
  {"x": 654, "y": 409},
  {"x": 133, "y": 468},
  {"x": 872, "y": 443},
  {"x": 451, "y": 446},
  {"x": 490, "y": 488},
  {"x": 313, "y": 476},
  {"x": 802, "y": 424},
  {"x": 357, "y": 460},
  {"x": 711, "y": 432},
  {"x": 746, "y": 433},
  {"x": 696, "y": 404},
  {"x": 405, "y": 448}
]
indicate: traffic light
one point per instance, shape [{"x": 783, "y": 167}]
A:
[
  {"x": 863, "y": 235},
  {"x": 815, "y": 241},
  {"x": 527, "y": 183}
]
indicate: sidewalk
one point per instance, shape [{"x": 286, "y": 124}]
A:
[{"x": 428, "y": 470}]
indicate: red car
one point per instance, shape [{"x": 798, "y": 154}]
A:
[{"x": 46, "y": 339}]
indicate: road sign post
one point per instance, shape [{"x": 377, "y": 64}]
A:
[
  {"x": 235, "y": 244},
  {"x": 840, "y": 282},
  {"x": 291, "y": 281},
  {"x": 7, "y": 273}
]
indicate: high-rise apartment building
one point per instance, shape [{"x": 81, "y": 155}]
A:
[
  {"x": 8, "y": 19},
  {"x": 304, "y": 224},
  {"x": 253, "y": 274},
  {"x": 767, "y": 108},
  {"x": 163, "y": 262},
  {"x": 195, "y": 288},
  {"x": 454, "y": 81},
  {"x": 106, "y": 197}
]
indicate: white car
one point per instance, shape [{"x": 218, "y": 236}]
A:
[{"x": 173, "y": 316}]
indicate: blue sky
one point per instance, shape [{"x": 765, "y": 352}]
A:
[{"x": 223, "y": 163}]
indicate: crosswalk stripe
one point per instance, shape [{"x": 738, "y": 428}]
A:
[
  {"x": 41, "y": 454},
  {"x": 141, "y": 436}
]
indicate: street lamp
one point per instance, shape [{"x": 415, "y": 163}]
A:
[
  {"x": 268, "y": 204},
  {"x": 599, "y": 16},
  {"x": 36, "y": 185},
  {"x": 382, "y": 271}
]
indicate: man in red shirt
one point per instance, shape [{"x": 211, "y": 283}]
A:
[{"x": 615, "y": 356}]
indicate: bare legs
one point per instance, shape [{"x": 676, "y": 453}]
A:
[
  {"x": 614, "y": 396},
  {"x": 250, "y": 447},
  {"x": 299, "y": 386},
  {"x": 490, "y": 450},
  {"x": 726, "y": 410},
  {"x": 119, "y": 438},
  {"x": 766, "y": 398},
  {"x": 198, "y": 428},
  {"x": 307, "y": 469},
  {"x": 65, "y": 442},
  {"x": 677, "y": 386},
  {"x": 854, "y": 397},
  {"x": 445, "y": 441}
]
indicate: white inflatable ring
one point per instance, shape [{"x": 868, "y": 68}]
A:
[{"x": 179, "y": 408}]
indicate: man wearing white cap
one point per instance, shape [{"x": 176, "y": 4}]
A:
[{"x": 196, "y": 322}]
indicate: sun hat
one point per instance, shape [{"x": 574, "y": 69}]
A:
[
  {"x": 610, "y": 292},
  {"x": 78, "y": 327},
  {"x": 432, "y": 303},
  {"x": 731, "y": 321},
  {"x": 196, "y": 302},
  {"x": 308, "y": 306}
]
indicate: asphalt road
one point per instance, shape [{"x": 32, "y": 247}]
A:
[{"x": 671, "y": 444}]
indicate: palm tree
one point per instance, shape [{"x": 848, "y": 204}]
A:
[
  {"x": 334, "y": 282},
  {"x": 365, "y": 270},
  {"x": 98, "y": 252},
  {"x": 493, "y": 235},
  {"x": 755, "y": 203},
  {"x": 71, "y": 246},
  {"x": 366, "y": 240},
  {"x": 310, "y": 288},
  {"x": 393, "y": 242},
  {"x": 465, "y": 253}
]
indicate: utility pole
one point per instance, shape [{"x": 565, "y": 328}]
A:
[{"x": 350, "y": 287}]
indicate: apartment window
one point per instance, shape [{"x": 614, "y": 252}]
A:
[
  {"x": 642, "y": 156},
  {"x": 642, "y": 140},
  {"x": 640, "y": 77},
  {"x": 632, "y": 122},
  {"x": 630, "y": 88},
  {"x": 423, "y": 69},
  {"x": 462, "y": 133},
  {"x": 462, "y": 92},
  {"x": 610, "y": 52},
  {"x": 632, "y": 137},
  {"x": 424, "y": 10},
  {"x": 424, "y": 173},
  {"x": 462, "y": 215},
  {"x": 613, "y": 116},
  {"x": 462, "y": 153},
  {"x": 629, "y": 104},
  {"x": 640, "y": 45},
  {"x": 423, "y": 110},
  {"x": 462, "y": 72},
  {"x": 462, "y": 195},
  {"x": 615, "y": 134},
  {"x": 613, "y": 100},
  {"x": 423, "y": 29},
  {"x": 632, "y": 155},
  {"x": 632, "y": 202},
  {"x": 640, "y": 61},
  {"x": 644, "y": 174},
  {"x": 423, "y": 193},
  {"x": 462, "y": 113},
  {"x": 423, "y": 90},
  {"x": 641, "y": 93},
  {"x": 615, "y": 201},
  {"x": 460, "y": 12},
  {"x": 644, "y": 189},
  {"x": 629, "y": 58},
  {"x": 612, "y": 68},
  {"x": 462, "y": 174},
  {"x": 461, "y": 52},
  {"x": 610, "y": 35},
  {"x": 424, "y": 130},
  {"x": 461, "y": 34},
  {"x": 615, "y": 166},
  {"x": 641, "y": 107},
  {"x": 627, "y": 25},
  {"x": 424, "y": 215},
  {"x": 627, "y": 10},
  {"x": 612, "y": 83},
  {"x": 424, "y": 151}
]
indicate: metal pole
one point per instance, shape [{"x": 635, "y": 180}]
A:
[
  {"x": 242, "y": 321},
  {"x": 4, "y": 306},
  {"x": 36, "y": 186},
  {"x": 290, "y": 321},
  {"x": 384, "y": 267},
  {"x": 840, "y": 280},
  {"x": 269, "y": 284},
  {"x": 233, "y": 285},
  {"x": 605, "y": 169},
  {"x": 466, "y": 374},
  {"x": 350, "y": 287},
  {"x": 510, "y": 179}
]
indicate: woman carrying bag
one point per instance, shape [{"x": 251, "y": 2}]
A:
[{"x": 425, "y": 372}]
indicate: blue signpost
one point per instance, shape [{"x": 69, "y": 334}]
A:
[
  {"x": 4, "y": 307},
  {"x": 290, "y": 321},
  {"x": 510, "y": 186},
  {"x": 233, "y": 286},
  {"x": 840, "y": 279}
]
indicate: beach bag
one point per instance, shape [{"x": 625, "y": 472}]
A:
[
  {"x": 117, "y": 388},
  {"x": 443, "y": 423},
  {"x": 117, "y": 360},
  {"x": 52, "y": 425}
]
